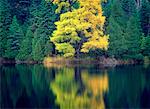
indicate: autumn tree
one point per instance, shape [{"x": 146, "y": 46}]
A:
[{"x": 80, "y": 30}]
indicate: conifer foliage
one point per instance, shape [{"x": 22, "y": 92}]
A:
[{"x": 14, "y": 39}]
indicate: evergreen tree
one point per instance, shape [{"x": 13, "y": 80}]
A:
[
  {"x": 115, "y": 29},
  {"x": 117, "y": 46},
  {"x": 133, "y": 37},
  {"x": 129, "y": 7},
  {"x": 146, "y": 46},
  {"x": 20, "y": 8},
  {"x": 43, "y": 15},
  {"x": 5, "y": 21},
  {"x": 14, "y": 39},
  {"x": 26, "y": 46},
  {"x": 37, "y": 52},
  {"x": 38, "y": 45},
  {"x": 42, "y": 21},
  {"x": 145, "y": 17}
]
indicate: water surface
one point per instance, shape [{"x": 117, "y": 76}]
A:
[{"x": 74, "y": 87}]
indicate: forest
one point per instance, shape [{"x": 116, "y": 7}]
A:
[{"x": 34, "y": 29}]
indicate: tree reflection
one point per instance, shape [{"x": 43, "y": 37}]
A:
[
  {"x": 125, "y": 88},
  {"x": 78, "y": 89},
  {"x": 26, "y": 86},
  {"x": 96, "y": 86}
]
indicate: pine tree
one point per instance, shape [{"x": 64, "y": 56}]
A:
[
  {"x": 14, "y": 39},
  {"x": 129, "y": 7},
  {"x": 115, "y": 29},
  {"x": 132, "y": 32},
  {"x": 42, "y": 21},
  {"x": 133, "y": 37},
  {"x": 38, "y": 44},
  {"x": 26, "y": 46},
  {"x": 146, "y": 46},
  {"x": 5, "y": 21},
  {"x": 20, "y": 8},
  {"x": 37, "y": 51},
  {"x": 145, "y": 17},
  {"x": 117, "y": 45}
]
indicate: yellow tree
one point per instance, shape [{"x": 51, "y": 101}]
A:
[{"x": 80, "y": 30}]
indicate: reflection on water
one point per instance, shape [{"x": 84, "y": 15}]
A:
[
  {"x": 26, "y": 86},
  {"x": 83, "y": 91},
  {"x": 74, "y": 87}
]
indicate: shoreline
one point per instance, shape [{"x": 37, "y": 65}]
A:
[{"x": 57, "y": 61}]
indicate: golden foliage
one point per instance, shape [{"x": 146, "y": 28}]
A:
[{"x": 86, "y": 22}]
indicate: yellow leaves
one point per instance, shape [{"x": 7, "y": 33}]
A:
[
  {"x": 85, "y": 22},
  {"x": 101, "y": 43},
  {"x": 104, "y": 42},
  {"x": 66, "y": 48}
]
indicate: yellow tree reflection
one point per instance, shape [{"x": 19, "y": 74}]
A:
[
  {"x": 68, "y": 90},
  {"x": 97, "y": 85}
]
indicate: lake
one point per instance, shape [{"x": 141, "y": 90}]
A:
[{"x": 79, "y": 87}]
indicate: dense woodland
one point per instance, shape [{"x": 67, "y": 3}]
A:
[{"x": 34, "y": 29}]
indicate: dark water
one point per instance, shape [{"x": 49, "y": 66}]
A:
[{"x": 74, "y": 87}]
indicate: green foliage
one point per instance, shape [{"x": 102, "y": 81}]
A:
[
  {"x": 38, "y": 46},
  {"x": 37, "y": 53},
  {"x": 26, "y": 46},
  {"x": 129, "y": 7},
  {"x": 145, "y": 14},
  {"x": 20, "y": 9},
  {"x": 124, "y": 29},
  {"x": 115, "y": 29},
  {"x": 43, "y": 18},
  {"x": 146, "y": 46},
  {"x": 133, "y": 37},
  {"x": 14, "y": 39},
  {"x": 5, "y": 21}
]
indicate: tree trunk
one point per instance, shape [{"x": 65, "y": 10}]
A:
[
  {"x": 77, "y": 53},
  {"x": 78, "y": 79}
]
